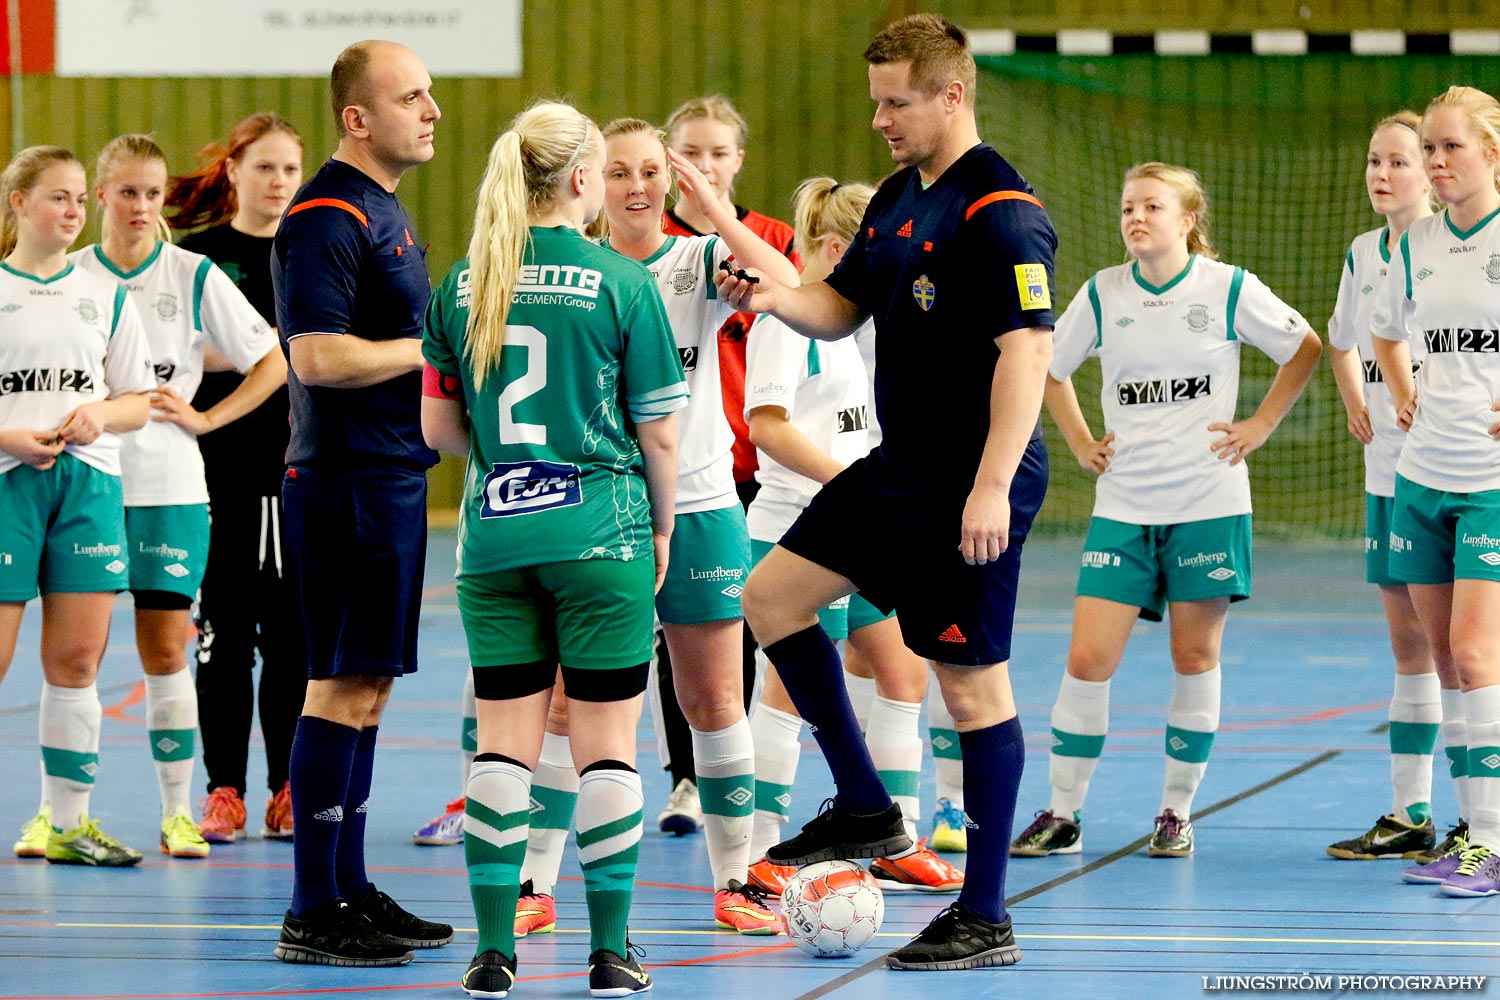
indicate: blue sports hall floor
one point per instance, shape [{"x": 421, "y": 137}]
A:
[{"x": 1300, "y": 761}]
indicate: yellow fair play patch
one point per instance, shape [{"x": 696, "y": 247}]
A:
[{"x": 1031, "y": 282}]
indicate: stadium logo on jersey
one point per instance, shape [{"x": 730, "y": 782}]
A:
[
  {"x": 689, "y": 357},
  {"x": 684, "y": 280},
  {"x": 923, "y": 291},
  {"x": 529, "y": 487},
  {"x": 1031, "y": 283},
  {"x": 1492, "y": 269},
  {"x": 854, "y": 418},
  {"x": 1162, "y": 390},
  {"x": 164, "y": 371},
  {"x": 46, "y": 380},
  {"x": 88, "y": 310},
  {"x": 166, "y": 307},
  {"x": 1197, "y": 318},
  {"x": 1462, "y": 340}
]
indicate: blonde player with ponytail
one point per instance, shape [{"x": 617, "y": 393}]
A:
[
  {"x": 551, "y": 365},
  {"x": 75, "y": 369},
  {"x": 1171, "y": 524}
]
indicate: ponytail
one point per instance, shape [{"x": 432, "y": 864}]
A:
[
  {"x": 206, "y": 197},
  {"x": 132, "y": 146}
]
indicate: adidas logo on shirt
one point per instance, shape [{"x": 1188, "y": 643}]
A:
[
  {"x": 333, "y": 815},
  {"x": 905, "y": 230}
]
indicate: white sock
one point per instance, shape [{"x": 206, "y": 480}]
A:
[
  {"x": 777, "y": 753},
  {"x": 1414, "y": 716},
  {"x": 554, "y": 787},
  {"x": 861, "y": 697},
  {"x": 68, "y": 730},
  {"x": 1080, "y": 722},
  {"x": 947, "y": 756},
  {"x": 726, "y": 789},
  {"x": 469, "y": 734},
  {"x": 1455, "y": 737},
  {"x": 1482, "y": 712},
  {"x": 1192, "y": 721},
  {"x": 653, "y": 695},
  {"x": 172, "y": 719},
  {"x": 895, "y": 742}
]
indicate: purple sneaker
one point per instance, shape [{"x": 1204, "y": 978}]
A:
[
  {"x": 1435, "y": 872},
  {"x": 1478, "y": 874}
]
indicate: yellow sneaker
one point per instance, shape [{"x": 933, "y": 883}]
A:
[
  {"x": 33, "y": 842},
  {"x": 89, "y": 845},
  {"x": 949, "y": 834},
  {"x": 181, "y": 838}
]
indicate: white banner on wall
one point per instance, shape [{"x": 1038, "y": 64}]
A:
[{"x": 280, "y": 37}]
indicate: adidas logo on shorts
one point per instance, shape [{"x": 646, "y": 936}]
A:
[{"x": 334, "y": 815}]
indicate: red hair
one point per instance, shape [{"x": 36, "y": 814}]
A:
[{"x": 205, "y": 197}]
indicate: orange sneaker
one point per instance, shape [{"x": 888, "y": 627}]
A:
[
  {"x": 536, "y": 912},
  {"x": 921, "y": 871},
  {"x": 223, "y": 814},
  {"x": 771, "y": 878},
  {"x": 279, "y": 815},
  {"x": 743, "y": 908}
]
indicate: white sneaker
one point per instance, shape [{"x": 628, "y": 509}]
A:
[{"x": 683, "y": 813}]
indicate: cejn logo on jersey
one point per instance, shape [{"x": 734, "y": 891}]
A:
[
  {"x": 530, "y": 487},
  {"x": 1162, "y": 390}
]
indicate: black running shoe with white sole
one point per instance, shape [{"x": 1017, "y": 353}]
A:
[
  {"x": 337, "y": 935},
  {"x": 1048, "y": 834},
  {"x": 958, "y": 938},
  {"x": 490, "y": 976},
  {"x": 835, "y": 835},
  {"x": 408, "y": 929},
  {"x": 1389, "y": 838},
  {"x": 611, "y": 975}
]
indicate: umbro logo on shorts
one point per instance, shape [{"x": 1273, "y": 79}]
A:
[
  {"x": 334, "y": 815},
  {"x": 1490, "y": 558},
  {"x": 1222, "y": 573}
]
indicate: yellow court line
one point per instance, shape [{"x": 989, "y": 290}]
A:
[{"x": 644, "y": 932}]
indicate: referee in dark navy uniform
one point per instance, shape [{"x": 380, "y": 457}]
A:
[
  {"x": 351, "y": 291},
  {"x": 954, "y": 263}
]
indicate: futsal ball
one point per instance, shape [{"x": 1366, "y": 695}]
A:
[{"x": 832, "y": 908}]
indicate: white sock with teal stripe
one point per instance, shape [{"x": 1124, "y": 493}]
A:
[
  {"x": 861, "y": 697},
  {"x": 554, "y": 794},
  {"x": 1080, "y": 721},
  {"x": 172, "y": 722},
  {"x": 895, "y": 742},
  {"x": 609, "y": 841},
  {"x": 725, "y": 762},
  {"x": 947, "y": 755},
  {"x": 778, "y": 750},
  {"x": 468, "y": 736},
  {"x": 1482, "y": 708},
  {"x": 495, "y": 819},
  {"x": 68, "y": 729},
  {"x": 1415, "y": 714},
  {"x": 1455, "y": 733},
  {"x": 1192, "y": 721}
]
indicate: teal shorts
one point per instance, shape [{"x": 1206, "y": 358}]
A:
[
  {"x": 62, "y": 531},
  {"x": 1150, "y": 565},
  {"x": 593, "y": 614},
  {"x": 862, "y": 613},
  {"x": 168, "y": 547},
  {"x": 834, "y": 618},
  {"x": 706, "y": 570},
  {"x": 1378, "y": 541},
  {"x": 1439, "y": 537}
]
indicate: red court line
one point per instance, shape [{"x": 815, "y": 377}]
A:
[
  {"x": 133, "y": 697},
  {"x": 440, "y": 590}
]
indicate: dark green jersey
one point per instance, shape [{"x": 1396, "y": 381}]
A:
[{"x": 554, "y": 472}]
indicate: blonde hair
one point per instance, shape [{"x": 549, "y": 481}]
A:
[
  {"x": 714, "y": 106},
  {"x": 22, "y": 174},
  {"x": 1188, "y": 186},
  {"x": 1483, "y": 113},
  {"x": 822, "y": 207},
  {"x": 599, "y": 228},
  {"x": 540, "y": 149},
  {"x": 131, "y": 146},
  {"x": 937, "y": 48}
]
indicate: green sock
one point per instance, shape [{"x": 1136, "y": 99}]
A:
[
  {"x": 609, "y": 839},
  {"x": 496, "y": 818}
]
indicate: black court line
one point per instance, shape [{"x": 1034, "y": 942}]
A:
[{"x": 1124, "y": 852}]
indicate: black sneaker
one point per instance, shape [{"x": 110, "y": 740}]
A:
[
  {"x": 1457, "y": 840},
  {"x": 1172, "y": 837},
  {"x": 1048, "y": 834},
  {"x": 337, "y": 935},
  {"x": 1388, "y": 838},
  {"x": 386, "y": 915},
  {"x": 958, "y": 938},
  {"x": 490, "y": 976},
  {"x": 613, "y": 976},
  {"x": 836, "y": 835}
]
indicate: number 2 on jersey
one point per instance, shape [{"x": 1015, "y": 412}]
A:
[{"x": 527, "y": 385}]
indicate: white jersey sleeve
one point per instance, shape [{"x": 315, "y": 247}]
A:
[
  {"x": 1342, "y": 334},
  {"x": 127, "y": 358},
  {"x": 775, "y": 362},
  {"x": 1262, "y": 320},
  {"x": 1392, "y": 316},
  {"x": 1077, "y": 334},
  {"x": 228, "y": 320}
]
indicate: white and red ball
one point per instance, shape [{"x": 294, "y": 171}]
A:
[{"x": 832, "y": 908}]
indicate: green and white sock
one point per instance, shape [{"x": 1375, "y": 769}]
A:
[
  {"x": 895, "y": 742},
  {"x": 778, "y": 750},
  {"x": 68, "y": 730},
  {"x": 861, "y": 697},
  {"x": 1415, "y": 714},
  {"x": 172, "y": 723},
  {"x": 725, "y": 762},
  {"x": 469, "y": 735},
  {"x": 1455, "y": 733},
  {"x": 1080, "y": 721},
  {"x": 554, "y": 794},
  {"x": 947, "y": 755},
  {"x": 1192, "y": 721},
  {"x": 496, "y": 816},
  {"x": 1482, "y": 712},
  {"x": 609, "y": 841}
]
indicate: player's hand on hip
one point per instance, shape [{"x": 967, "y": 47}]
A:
[
  {"x": 38, "y": 449},
  {"x": 744, "y": 295},
  {"x": 1495, "y": 427},
  {"x": 985, "y": 531},
  {"x": 83, "y": 426},
  {"x": 1240, "y": 438},
  {"x": 168, "y": 407}
]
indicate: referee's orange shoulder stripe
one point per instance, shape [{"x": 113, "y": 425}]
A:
[
  {"x": 335, "y": 203},
  {"x": 995, "y": 196}
]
